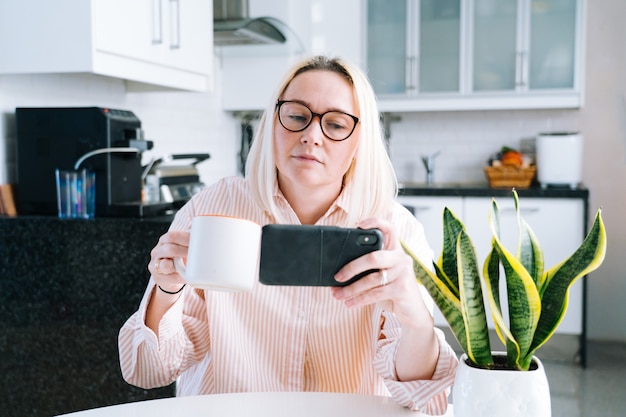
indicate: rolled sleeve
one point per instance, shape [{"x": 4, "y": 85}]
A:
[
  {"x": 149, "y": 362},
  {"x": 428, "y": 396}
]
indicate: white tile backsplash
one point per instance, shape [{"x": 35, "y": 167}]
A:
[{"x": 465, "y": 139}]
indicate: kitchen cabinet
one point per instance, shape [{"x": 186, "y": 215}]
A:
[
  {"x": 559, "y": 224},
  {"x": 475, "y": 54},
  {"x": 167, "y": 43}
]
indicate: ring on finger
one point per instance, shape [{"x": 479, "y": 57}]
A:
[
  {"x": 383, "y": 277},
  {"x": 157, "y": 266}
]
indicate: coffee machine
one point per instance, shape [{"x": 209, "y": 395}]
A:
[{"x": 106, "y": 141}]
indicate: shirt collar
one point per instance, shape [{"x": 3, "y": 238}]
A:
[{"x": 342, "y": 202}]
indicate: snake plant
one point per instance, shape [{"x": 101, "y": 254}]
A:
[{"x": 537, "y": 298}]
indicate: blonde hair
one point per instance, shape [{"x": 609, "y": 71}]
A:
[{"x": 371, "y": 178}]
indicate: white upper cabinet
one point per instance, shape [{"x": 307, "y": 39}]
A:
[
  {"x": 167, "y": 43},
  {"x": 475, "y": 54}
]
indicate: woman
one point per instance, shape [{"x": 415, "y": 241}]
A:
[{"x": 318, "y": 158}]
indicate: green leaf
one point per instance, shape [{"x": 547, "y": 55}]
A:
[
  {"x": 491, "y": 273},
  {"x": 472, "y": 304},
  {"x": 452, "y": 226},
  {"x": 559, "y": 279},
  {"x": 524, "y": 304},
  {"x": 529, "y": 250},
  {"x": 447, "y": 302},
  {"x": 522, "y": 295}
]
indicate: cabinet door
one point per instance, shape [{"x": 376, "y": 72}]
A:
[
  {"x": 414, "y": 46},
  {"x": 387, "y": 47},
  {"x": 552, "y": 44},
  {"x": 173, "y": 33},
  {"x": 524, "y": 45},
  {"x": 129, "y": 29},
  {"x": 429, "y": 211},
  {"x": 495, "y": 45},
  {"x": 439, "y": 46},
  {"x": 559, "y": 226},
  {"x": 190, "y": 44}
]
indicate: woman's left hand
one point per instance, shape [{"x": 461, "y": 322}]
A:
[{"x": 393, "y": 287}]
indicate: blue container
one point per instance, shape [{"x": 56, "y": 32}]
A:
[{"x": 76, "y": 194}]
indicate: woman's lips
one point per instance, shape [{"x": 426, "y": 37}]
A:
[{"x": 307, "y": 158}]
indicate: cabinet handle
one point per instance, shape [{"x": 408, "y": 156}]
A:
[
  {"x": 521, "y": 59},
  {"x": 523, "y": 211},
  {"x": 416, "y": 209},
  {"x": 175, "y": 24},
  {"x": 157, "y": 26},
  {"x": 410, "y": 70}
]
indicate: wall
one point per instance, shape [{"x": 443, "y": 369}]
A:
[
  {"x": 603, "y": 121},
  {"x": 189, "y": 122}
]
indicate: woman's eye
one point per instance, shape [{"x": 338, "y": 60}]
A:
[
  {"x": 335, "y": 124},
  {"x": 298, "y": 118}
]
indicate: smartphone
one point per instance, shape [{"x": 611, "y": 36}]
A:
[{"x": 308, "y": 255}]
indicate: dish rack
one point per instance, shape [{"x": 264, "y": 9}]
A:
[{"x": 506, "y": 176}]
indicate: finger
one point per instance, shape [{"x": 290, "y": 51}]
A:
[
  {"x": 363, "y": 292},
  {"x": 373, "y": 260},
  {"x": 171, "y": 245},
  {"x": 162, "y": 266},
  {"x": 175, "y": 237},
  {"x": 367, "y": 288}
]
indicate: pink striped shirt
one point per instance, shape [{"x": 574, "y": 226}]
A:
[{"x": 278, "y": 338}]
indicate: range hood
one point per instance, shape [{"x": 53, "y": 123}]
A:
[{"x": 233, "y": 26}]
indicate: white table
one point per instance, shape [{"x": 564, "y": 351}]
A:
[{"x": 260, "y": 404}]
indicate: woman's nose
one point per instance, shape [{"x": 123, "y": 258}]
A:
[{"x": 313, "y": 132}]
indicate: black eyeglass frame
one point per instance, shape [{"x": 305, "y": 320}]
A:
[{"x": 279, "y": 103}]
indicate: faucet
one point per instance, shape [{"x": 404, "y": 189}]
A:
[{"x": 429, "y": 164}]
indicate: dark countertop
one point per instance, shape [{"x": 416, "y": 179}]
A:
[
  {"x": 66, "y": 288},
  {"x": 483, "y": 190}
]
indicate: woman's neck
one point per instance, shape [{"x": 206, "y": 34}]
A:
[{"x": 309, "y": 204}]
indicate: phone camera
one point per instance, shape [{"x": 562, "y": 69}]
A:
[{"x": 368, "y": 240}]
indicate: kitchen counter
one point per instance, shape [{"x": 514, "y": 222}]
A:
[
  {"x": 66, "y": 288},
  {"x": 482, "y": 189}
]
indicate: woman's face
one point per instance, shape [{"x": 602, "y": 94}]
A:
[{"x": 308, "y": 158}]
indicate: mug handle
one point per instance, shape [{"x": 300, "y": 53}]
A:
[{"x": 180, "y": 267}]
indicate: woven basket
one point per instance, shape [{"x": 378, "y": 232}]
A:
[{"x": 508, "y": 176}]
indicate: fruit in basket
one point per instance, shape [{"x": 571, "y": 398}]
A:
[
  {"x": 508, "y": 157},
  {"x": 512, "y": 158}
]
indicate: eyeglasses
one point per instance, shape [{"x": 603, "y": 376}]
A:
[{"x": 295, "y": 117}]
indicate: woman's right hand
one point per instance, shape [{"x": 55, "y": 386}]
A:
[{"x": 173, "y": 244}]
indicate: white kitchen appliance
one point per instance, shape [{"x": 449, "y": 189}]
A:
[{"x": 559, "y": 159}]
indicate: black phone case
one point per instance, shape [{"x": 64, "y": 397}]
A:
[{"x": 311, "y": 255}]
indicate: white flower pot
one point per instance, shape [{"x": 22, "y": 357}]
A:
[{"x": 497, "y": 393}]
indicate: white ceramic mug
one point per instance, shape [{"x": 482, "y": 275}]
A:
[{"x": 223, "y": 253}]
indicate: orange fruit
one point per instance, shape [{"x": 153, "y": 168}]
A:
[{"x": 512, "y": 158}]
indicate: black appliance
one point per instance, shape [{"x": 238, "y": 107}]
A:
[{"x": 106, "y": 141}]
